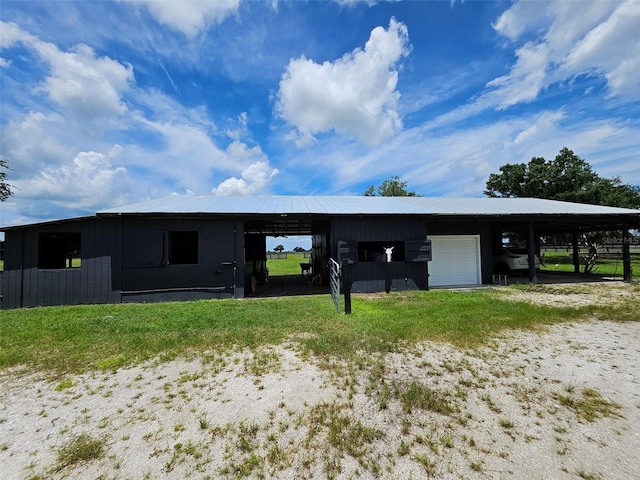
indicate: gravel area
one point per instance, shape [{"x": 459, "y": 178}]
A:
[{"x": 559, "y": 403}]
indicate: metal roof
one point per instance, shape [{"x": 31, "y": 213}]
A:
[
  {"x": 360, "y": 205},
  {"x": 305, "y": 207}
]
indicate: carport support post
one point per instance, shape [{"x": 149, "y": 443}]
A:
[
  {"x": 626, "y": 254},
  {"x": 531, "y": 251},
  {"x": 576, "y": 252}
]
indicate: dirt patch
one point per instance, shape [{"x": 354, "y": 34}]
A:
[
  {"x": 563, "y": 403},
  {"x": 570, "y": 295}
]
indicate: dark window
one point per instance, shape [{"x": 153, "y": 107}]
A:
[
  {"x": 59, "y": 250},
  {"x": 183, "y": 248},
  {"x": 375, "y": 251}
]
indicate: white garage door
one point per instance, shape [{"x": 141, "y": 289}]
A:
[{"x": 456, "y": 260}]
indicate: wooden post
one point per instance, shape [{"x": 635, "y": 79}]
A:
[
  {"x": 531, "y": 250},
  {"x": 427, "y": 267},
  {"x": 626, "y": 254},
  {"x": 576, "y": 252},
  {"x": 346, "y": 285}
]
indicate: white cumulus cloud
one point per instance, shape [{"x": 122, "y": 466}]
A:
[
  {"x": 355, "y": 95},
  {"x": 254, "y": 179},
  {"x": 11, "y": 34},
  {"x": 81, "y": 83},
  {"x": 87, "y": 85},
  {"x": 190, "y": 16},
  {"x": 89, "y": 181}
]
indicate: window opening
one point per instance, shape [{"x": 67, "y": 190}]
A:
[
  {"x": 183, "y": 248},
  {"x": 375, "y": 251},
  {"x": 59, "y": 250}
]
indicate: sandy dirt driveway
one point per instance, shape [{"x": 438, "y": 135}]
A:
[{"x": 560, "y": 403}]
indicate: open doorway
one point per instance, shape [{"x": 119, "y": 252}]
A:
[
  {"x": 289, "y": 255},
  {"x": 288, "y": 260}
]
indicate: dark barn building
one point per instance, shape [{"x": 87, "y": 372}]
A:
[{"x": 190, "y": 247}]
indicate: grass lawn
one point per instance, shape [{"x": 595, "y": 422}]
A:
[
  {"x": 563, "y": 262},
  {"x": 286, "y": 266},
  {"x": 77, "y": 338}
]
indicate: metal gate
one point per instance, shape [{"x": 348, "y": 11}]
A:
[{"x": 334, "y": 281}]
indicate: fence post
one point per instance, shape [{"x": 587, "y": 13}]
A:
[
  {"x": 576, "y": 252},
  {"x": 626, "y": 254},
  {"x": 346, "y": 285},
  {"x": 531, "y": 251}
]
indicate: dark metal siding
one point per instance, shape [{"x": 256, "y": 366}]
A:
[
  {"x": 111, "y": 249},
  {"x": 11, "y": 277},
  {"x": 37, "y": 287},
  {"x": 26, "y": 285},
  {"x": 121, "y": 254},
  {"x": 377, "y": 229},
  {"x": 377, "y": 277},
  {"x": 48, "y": 286},
  {"x": 101, "y": 258},
  {"x": 147, "y": 274},
  {"x": 372, "y": 277}
]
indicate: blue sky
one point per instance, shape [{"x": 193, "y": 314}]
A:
[{"x": 109, "y": 103}]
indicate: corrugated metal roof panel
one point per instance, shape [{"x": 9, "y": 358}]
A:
[
  {"x": 336, "y": 205},
  {"x": 510, "y": 206},
  {"x": 360, "y": 205}
]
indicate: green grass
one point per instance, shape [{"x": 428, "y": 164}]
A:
[
  {"x": 77, "y": 338},
  {"x": 286, "y": 266},
  {"x": 590, "y": 405},
  {"x": 563, "y": 262},
  {"x": 336, "y": 432},
  {"x": 82, "y": 448},
  {"x": 419, "y": 396}
]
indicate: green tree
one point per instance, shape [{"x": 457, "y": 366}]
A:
[
  {"x": 568, "y": 178},
  {"x": 5, "y": 188},
  {"x": 279, "y": 248},
  {"x": 392, "y": 187}
]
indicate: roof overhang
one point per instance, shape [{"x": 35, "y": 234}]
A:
[{"x": 298, "y": 213}]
